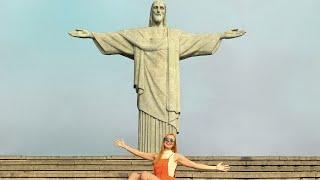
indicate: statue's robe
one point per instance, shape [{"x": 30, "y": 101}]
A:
[{"x": 156, "y": 53}]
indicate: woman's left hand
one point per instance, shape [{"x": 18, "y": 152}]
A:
[{"x": 222, "y": 167}]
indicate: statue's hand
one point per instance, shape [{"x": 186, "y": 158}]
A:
[
  {"x": 233, "y": 33},
  {"x": 222, "y": 167},
  {"x": 121, "y": 143},
  {"x": 81, "y": 33}
]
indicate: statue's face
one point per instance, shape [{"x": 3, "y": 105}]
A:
[{"x": 158, "y": 12}]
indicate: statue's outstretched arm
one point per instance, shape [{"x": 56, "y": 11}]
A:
[
  {"x": 233, "y": 33},
  {"x": 81, "y": 33},
  {"x": 107, "y": 43}
]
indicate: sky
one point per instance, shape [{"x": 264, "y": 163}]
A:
[{"x": 258, "y": 95}]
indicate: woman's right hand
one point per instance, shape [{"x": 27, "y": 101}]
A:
[{"x": 121, "y": 143}]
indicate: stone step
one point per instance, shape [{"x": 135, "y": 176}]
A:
[
  {"x": 93, "y": 167},
  {"x": 119, "y": 167},
  {"x": 147, "y": 163},
  {"x": 124, "y": 174},
  {"x": 202, "y": 158},
  {"x": 78, "y": 178}
]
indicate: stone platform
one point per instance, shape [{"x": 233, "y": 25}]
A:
[{"x": 118, "y": 167}]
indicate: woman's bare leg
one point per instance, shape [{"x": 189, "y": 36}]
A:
[
  {"x": 148, "y": 176},
  {"x": 134, "y": 176}
]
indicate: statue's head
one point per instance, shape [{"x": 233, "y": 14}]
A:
[{"x": 158, "y": 14}]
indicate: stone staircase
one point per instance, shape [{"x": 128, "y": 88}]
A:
[{"x": 118, "y": 167}]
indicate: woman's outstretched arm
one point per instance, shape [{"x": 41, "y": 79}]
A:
[
  {"x": 186, "y": 162},
  {"x": 147, "y": 156}
]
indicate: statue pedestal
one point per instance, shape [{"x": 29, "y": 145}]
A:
[{"x": 118, "y": 167}]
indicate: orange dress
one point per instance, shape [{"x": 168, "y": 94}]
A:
[{"x": 160, "y": 169}]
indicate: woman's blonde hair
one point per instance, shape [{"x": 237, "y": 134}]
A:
[{"x": 174, "y": 147}]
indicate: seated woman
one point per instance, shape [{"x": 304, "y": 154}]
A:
[{"x": 165, "y": 162}]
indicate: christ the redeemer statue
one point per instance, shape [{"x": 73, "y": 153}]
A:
[{"x": 157, "y": 51}]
